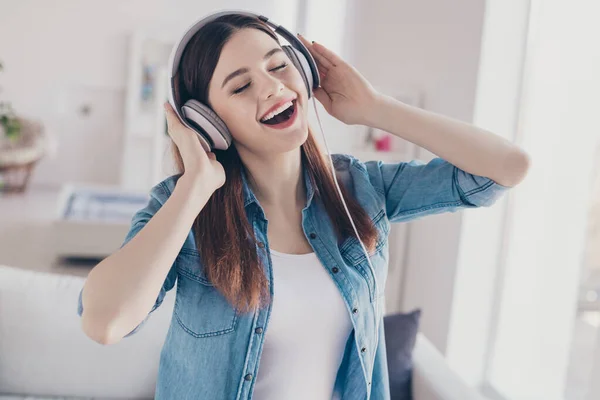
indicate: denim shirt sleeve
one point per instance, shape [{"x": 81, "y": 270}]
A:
[
  {"x": 158, "y": 195},
  {"x": 416, "y": 189}
]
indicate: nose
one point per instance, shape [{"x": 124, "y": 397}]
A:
[{"x": 271, "y": 87}]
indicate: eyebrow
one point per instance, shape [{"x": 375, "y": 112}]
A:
[{"x": 244, "y": 70}]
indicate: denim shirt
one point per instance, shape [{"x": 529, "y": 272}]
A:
[{"x": 213, "y": 352}]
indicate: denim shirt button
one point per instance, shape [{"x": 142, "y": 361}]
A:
[
  {"x": 335, "y": 270},
  {"x": 354, "y": 311},
  {"x": 313, "y": 235},
  {"x": 248, "y": 377},
  {"x": 261, "y": 245},
  {"x": 258, "y": 330},
  {"x": 363, "y": 349}
]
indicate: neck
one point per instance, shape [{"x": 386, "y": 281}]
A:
[{"x": 277, "y": 180}]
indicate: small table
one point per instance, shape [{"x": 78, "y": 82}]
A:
[{"x": 15, "y": 177}]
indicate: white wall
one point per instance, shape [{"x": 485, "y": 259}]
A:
[
  {"x": 67, "y": 49},
  {"x": 431, "y": 46},
  {"x": 546, "y": 238},
  {"x": 480, "y": 255},
  {"x": 61, "y": 54}
]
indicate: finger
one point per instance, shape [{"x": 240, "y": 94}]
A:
[
  {"x": 170, "y": 116},
  {"x": 176, "y": 129},
  {"x": 327, "y": 54},
  {"x": 304, "y": 41},
  {"x": 168, "y": 113},
  {"x": 184, "y": 138},
  {"x": 323, "y": 98},
  {"x": 322, "y": 74},
  {"x": 322, "y": 62},
  {"x": 173, "y": 122}
]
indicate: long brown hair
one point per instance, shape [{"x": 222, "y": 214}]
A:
[{"x": 224, "y": 236}]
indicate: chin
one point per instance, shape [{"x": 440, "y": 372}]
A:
[{"x": 295, "y": 139}]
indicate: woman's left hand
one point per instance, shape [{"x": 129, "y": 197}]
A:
[{"x": 344, "y": 92}]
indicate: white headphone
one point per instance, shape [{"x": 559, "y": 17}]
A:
[{"x": 200, "y": 117}]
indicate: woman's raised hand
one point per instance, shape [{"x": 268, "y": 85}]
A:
[{"x": 200, "y": 166}]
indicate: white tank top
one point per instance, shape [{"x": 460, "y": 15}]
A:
[{"x": 307, "y": 332}]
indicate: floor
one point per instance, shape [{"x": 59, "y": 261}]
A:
[{"x": 26, "y": 237}]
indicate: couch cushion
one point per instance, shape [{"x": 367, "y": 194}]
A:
[
  {"x": 400, "y": 337},
  {"x": 44, "y": 351},
  {"x": 25, "y": 397}
]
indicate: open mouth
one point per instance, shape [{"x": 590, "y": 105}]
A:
[{"x": 280, "y": 118}]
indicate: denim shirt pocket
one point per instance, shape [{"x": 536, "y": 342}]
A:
[
  {"x": 200, "y": 309},
  {"x": 354, "y": 256}
]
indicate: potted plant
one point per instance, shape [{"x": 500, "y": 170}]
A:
[
  {"x": 10, "y": 126},
  {"x": 21, "y": 147}
]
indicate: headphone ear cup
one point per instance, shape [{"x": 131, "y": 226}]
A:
[
  {"x": 207, "y": 123},
  {"x": 301, "y": 63}
]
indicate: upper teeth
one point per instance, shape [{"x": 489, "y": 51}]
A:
[{"x": 279, "y": 110}]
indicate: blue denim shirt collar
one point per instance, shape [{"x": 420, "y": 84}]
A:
[{"x": 249, "y": 196}]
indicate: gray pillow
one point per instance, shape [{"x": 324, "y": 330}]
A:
[{"x": 400, "y": 337}]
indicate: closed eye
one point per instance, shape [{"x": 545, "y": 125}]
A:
[
  {"x": 241, "y": 89},
  {"x": 280, "y": 67}
]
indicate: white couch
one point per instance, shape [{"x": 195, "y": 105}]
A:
[{"x": 44, "y": 353}]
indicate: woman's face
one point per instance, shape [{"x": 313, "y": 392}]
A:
[{"x": 252, "y": 76}]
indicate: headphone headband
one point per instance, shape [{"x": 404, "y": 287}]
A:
[
  {"x": 307, "y": 66},
  {"x": 177, "y": 52}
]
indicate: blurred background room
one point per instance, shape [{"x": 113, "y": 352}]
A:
[{"x": 510, "y": 295}]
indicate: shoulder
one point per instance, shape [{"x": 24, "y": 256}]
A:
[
  {"x": 163, "y": 190},
  {"x": 350, "y": 166},
  {"x": 343, "y": 159},
  {"x": 347, "y": 165},
  {"x": 345, "y": 162},
  {"x": 356, "y": 175}
]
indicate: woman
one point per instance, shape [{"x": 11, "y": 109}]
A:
[{"x": 262, "y": 220}]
